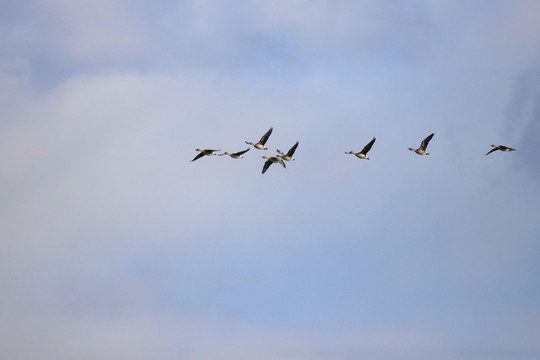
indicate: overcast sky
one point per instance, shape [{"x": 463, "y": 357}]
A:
[{"x": 113, "y": 245}]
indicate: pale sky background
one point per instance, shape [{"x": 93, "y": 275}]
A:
[{"x": 113, "y": 245}]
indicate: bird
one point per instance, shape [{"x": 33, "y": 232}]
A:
[
  {"x": 363, "y": 154},
  {"x": 423, "y": 146},
  {"x": 236, "y": 155},
  {"x": 288, "y": 156},
  {"x": 500, "y": 147},
  {"x": 270, "y": 161},
  {"x": 203, "y": 152},
  {"x": 260, "y": 144}
]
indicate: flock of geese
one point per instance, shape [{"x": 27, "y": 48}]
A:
[
  {"x": 280, "y": 157},
  {"x": 258, "y": 145}
]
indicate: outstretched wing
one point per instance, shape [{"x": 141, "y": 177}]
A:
[
  {"x": 492, "y": 150},
  {"x": 426, "y": 141},
  {"x": 282, "y": 162},
  {"x": 291, "y": 151},
  {"x": 265, "y": 137},
  {"x": 241, "y": 152},
  {"x": 199, "y": 155},
  {"x": 367, "y": 147},
  {"x": 267, "y": 164}
]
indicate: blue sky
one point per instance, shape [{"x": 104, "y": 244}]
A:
[{"x": 115, "y": 246}]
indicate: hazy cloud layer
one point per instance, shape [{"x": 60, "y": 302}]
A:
[{"x": 114, "y": 245}]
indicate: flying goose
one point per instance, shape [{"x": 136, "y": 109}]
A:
[
  {"x": 260, "y": 144},
  {"x": 500, "y": 147},
  {"x": 423, "y": 146},
  {"x": 236, "y": 155},
  {"x": 288, "y": 156},
  {"x": 270, "y": 161},
  {"x": 363, "y": 154},
  {"x": 204, "y": 152}
]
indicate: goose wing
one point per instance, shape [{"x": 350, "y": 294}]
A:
[
  {"x": 280, "y": 160},
  {"x": 492, "y": 150},
  {"x": 241, "y": 152},
  {"x": 367, "y": 147},
  {"x": 291, "y": 151},
  {"x": 265, "y": 137},
  {"x": 426, "y": 141},
  {"x": 267, "y": 164},
  {"x": 199, "y": 155}
]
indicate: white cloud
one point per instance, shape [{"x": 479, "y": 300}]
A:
[{"x": 71, "y": 160}]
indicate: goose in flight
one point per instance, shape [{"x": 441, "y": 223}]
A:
[
  {"x": 423, "y": 146},
  {"x": 500, "y": 147},
  {"x": 289, "y": 155},
  {"x": 363, "y": 154},
  {"x": 270, "y": 161},
  {"x": 260, "y": 144},
  {"x": 203, "y": 152},
  {"x": 236, "y": 155}
]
